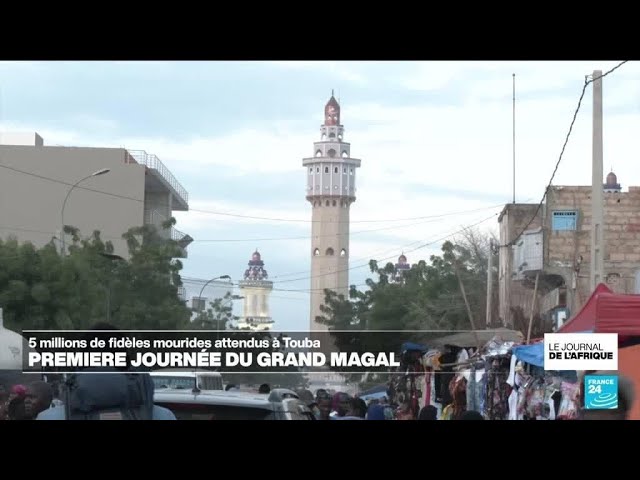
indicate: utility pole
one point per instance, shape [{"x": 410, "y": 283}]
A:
[
  {"x": 489, "y": 284},
  {"x": 597, "y": 197}
]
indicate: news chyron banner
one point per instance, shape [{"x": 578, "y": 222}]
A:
[
  {"x": 230, "y": 351},
  {"x": 596, "y": 352}
]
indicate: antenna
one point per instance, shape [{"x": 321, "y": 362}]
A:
[{"x": 514, "y": 138}]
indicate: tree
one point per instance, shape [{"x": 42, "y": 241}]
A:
[
  {"x": 427, "y": 299},
  {"x": 218, "y": 316},
  {"x": 39, "y": 289}
]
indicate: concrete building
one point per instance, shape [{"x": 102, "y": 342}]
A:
[
  {"x": 556, "y": 247},
  {"x": 256, "y": 288},
  {"x": 36, "y": 179},
  {"x": 331, "y": 189}
]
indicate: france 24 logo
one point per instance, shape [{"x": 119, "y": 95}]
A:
[{"x": 600, "y": 392}]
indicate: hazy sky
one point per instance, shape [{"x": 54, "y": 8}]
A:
[{"x": 434, "y": 138}]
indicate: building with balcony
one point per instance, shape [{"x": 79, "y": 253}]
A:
[
  {"x": 35, "y": 179},
  {"x": 555, "y": 247}
]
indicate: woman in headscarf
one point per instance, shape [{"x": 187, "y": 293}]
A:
[{"x": 15, "y": 403}]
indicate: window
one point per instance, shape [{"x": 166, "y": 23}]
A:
[
  {"x": 564, "y": 220},
  {"x": 179, "y": 383},
  {"x": 318, "y": 153},
  {"x": 336, "y": 170},
  {"x": 327, "y": 203},
  {"x": 344, "y": 170},
  {"x": 351, "y": 171},
  {"x": 345, "y": 154},
  {"x": 326, "y": 169},
  {"x": 329, "y": 251},
  {"x": 332, "y": 135},
  {"x": 331, "y": 153},
  {"x": 310, "y": 170},
  {"x": 317, "y": 169},
  {"x": 334, "y": 204},
  {"x": 316, "y": 252},
  {"x": 343, "y": 253},
  {"x": 201, "y": 411}
]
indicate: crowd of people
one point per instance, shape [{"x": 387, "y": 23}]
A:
[
  {"x": 342, "y": 406},
  {"x": 25, "y": 402}
]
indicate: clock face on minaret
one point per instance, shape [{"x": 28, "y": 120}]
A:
[{"x": 332, "y": 112}]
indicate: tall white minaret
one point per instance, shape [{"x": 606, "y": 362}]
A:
[
  {"x": 256, "y": 288},
  {"x": 331, "y": 189}
]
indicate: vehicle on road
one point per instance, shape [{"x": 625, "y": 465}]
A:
[
  {"x": 279, "y": 404},
  {"x": 183, "y": 379}
]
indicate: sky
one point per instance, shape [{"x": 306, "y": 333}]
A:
[{"x": 435, "y": 140}]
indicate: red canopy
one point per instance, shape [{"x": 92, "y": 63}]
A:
[
  {"x": 585, "y": 320},
  {"x": 618, "y": 314}
]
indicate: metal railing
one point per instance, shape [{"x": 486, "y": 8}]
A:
[
  {"x": 154, "y": 217},
  {"x": 177, "y": 235},
  {"x": 153, "y": 162},
  {"x": 182, "y": 293}
]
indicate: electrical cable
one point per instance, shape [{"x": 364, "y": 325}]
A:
[{"x": 564, "y": 146}]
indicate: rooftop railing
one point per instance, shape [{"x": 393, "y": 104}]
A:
[{"x": 153, "y": 162}]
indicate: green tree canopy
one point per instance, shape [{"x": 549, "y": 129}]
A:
[
  {"x": 428, "y": 298},
  {"x": 40, "y": 289}
]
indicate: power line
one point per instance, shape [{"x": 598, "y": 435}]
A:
[
  {"x": 564, "y": 146},
  {"x": 429, "y": 243},
  {"x": 62, "y": 182},
  {"x": 240, "y": 240},
  {"x": 213, "y": 212},
  {"x": 348, "y": 234},
  {"x": 392, "y": 256},
  {"x": 298, "y": 220},
  {"x": 369, "y": 256}
]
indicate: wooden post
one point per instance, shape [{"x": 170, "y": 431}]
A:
[
  {"x": 488, "y": 319},
  {"x": 533, "y": 306},
  {"x": 466, "y": 302}
]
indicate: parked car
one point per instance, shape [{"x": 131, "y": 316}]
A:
[
  {"x": 279, "y": 404},
  {"x": 171, "y": 378}
]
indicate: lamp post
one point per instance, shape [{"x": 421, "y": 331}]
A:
[
  {"x": 226, "y": 277},
  {"x": 64, "y": 204},
  {"x": 114, "y": 258}
]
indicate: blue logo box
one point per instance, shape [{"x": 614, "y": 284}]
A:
[{"x": 600, "y": 392}]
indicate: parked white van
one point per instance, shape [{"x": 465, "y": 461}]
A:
[{"x": 185, "y": 379}]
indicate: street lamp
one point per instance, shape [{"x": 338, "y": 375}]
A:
[
  {"x": 114, "y": 258},
  {"x": 226, "y": 277},
  {"x": 64, "y": 204}
]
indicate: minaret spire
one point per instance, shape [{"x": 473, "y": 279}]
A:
[{"x": 330, "y": 189}]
